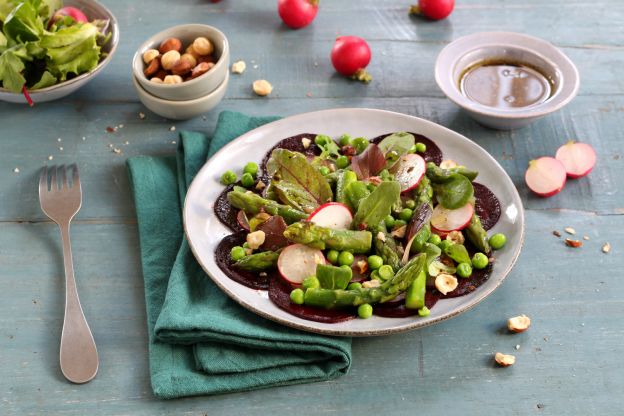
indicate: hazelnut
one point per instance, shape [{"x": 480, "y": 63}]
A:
[
  {"x": 255, "y": 239},
  {"x": 192, "y": 51},
  {"x": 171, "y": 44},
  {"x": 169, "y": 59},
  {"x": 519, "y": 323},
  {"x": 190, "y": 59},
  {"x": 149, "y": 55},
  {"x": 448, "y": 164},
  {"x": 156, "y": 80},
  {"x": 203, "y": 46},
  {"x": 152, "y": 68},
  {"x": 445, "y": 283},
  {"x": 504, "y": 359},
  {"x": 455, "y": 237},
  {"x": 201, "y": 69},
  {"x": 262, "y": 87},
  {"x": 181, "y": 67},
  {"x": 173, "y": 79},
  {"x": 238, "y": 67}
]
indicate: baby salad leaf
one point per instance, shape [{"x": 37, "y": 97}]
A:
[
  {"x": 458, "y": 252},
  {"x": 23, "y": 23},
  {"x": 47, "y": 80},
  {"x": 328, "y": 146},
  {"x": 455, "y": 192},
  {"x": 395, "y": 146},
  {"x": 11, "y": 67},
  {"x": 297, "y": 180},
  {"x": 375, "y": 207},
  {"x": 368, "y": 163}
]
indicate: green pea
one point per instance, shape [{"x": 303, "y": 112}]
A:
[
  {"x": 344, "y": 140},
  {"x": 332, "y": 256},
  {"x": 412, "y": 149},
  {"x": 247, "y": 180},
  {"x": 342, "y": 162},
  {"x": 374, "y": 262},
  {"x": 435, "y": 239},
  {"x": 386, "y": 272},
  {"x": 497, "y": 241},
  {"x": 360, "y": 144},
  {"x": 297, "y": 296},
  {"x": 228, "y": 177},
  {"x": 421, "y": 147},
  {"x": 237, "y": 253},
  {"x": 399, "y": 223},
  {"x": 324, "y": 170},
  {"x": 444, "y": 244},
  {"x": 322, "y": 140},
  {"x": 245, "y": 244},
  {"x": 345, "y": 258},
  {"x": 310, "y": 282},
  {"x": 480, "y": 261},
  {"x": 389, "y": 221},
  {"x": 375, "y": 275},
  {"x": 424, "y": 311},
  {"x": 410, "y": 203},
  {"x": 251, "y": 168},
  {"x": 406, "y": 214},
  {"x": 365, "y": 311},
  {"x": 354, "y": 286},
  {"x": 464, "y": 270}
]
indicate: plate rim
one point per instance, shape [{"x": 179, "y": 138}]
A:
[{"x": 416, "y": 324}]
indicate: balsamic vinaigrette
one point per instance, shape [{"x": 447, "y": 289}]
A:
[{"x": 505, "y": 85}]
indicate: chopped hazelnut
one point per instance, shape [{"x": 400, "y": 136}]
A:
[
  {"x": 606, "y": 247},
  {"x": 239, "y": 67},
  {"x": 260, "y": 185},
  {"x": 156, "y": 80},
  {"x": 504, "y": 360},
  {"x": 399, "y": 232},
  {"x": 306, "y": 142},
  {"x": 262, "y": 87},
  {"x": 573, "y": 243},
  {"x": 519, "y": 323},
  {"x": 569, "y": 230},
  {"x": 173, "y": 79},
  {"x": 255, "y": 239},
  {"x": 149, "y": 55},
  {"x": 371, "y": 283},
  {"x": 455, "y": 237},
  {"x": 362, "y": 266},
  {"x": 203, "y": 46},
  {"x": 169, "y": 59},
  {"x": 445, "y": 283},
  {"x": 381, "y": 236}
]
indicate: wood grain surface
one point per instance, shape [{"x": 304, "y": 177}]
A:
[{"x": 568, "y": 363}]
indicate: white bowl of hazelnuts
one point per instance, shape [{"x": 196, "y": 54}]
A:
[{"x": 182, "y": 63}]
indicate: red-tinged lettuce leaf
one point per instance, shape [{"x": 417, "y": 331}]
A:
[
  {"x": 421, "y": 217},
  {"x": 296, "y": 181},
  {"x": 273, "y": 229},
  {"x": 369, "y": 163}
]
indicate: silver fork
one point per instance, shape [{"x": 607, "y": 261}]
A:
[{"x": 61, "y": 202}]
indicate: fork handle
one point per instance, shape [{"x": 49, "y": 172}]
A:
[{"x": 78, "y": 357}]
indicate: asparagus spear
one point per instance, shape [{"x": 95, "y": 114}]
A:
[
  {"x": 344, "y": 178},
  {"x": 253, "y": 204},
  {"x": 322, "y": 237},
  {"x": 328, "y": 298},
  {"x": 386, "y": 248},
  {"x": 439, "y": 175},
  {"x": 258, "y": 262},
  {"x": 424, "y": 191},
  {"x": 477, "y": 234}
]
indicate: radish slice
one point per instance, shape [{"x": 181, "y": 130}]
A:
[
  {"x": 242, "y": 220},
  {"x": 332, "y": 215},
  {"x": 443, "y": 220},
  {"x": 577, "y": 158},
  {"x": 409, "y": 170},
  {"x": 297, "y": 261},
  {"x": 545, "y": 176}
]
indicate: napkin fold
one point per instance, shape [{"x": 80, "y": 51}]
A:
[{"x": 201, "y": 341}]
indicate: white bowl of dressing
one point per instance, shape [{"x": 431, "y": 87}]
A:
[{"x": 506, "y": 80}]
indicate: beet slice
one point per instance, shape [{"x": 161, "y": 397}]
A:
[
  {"x": 396, "y": 307},
  {"x": 279, "y": 293},
  {"x": 470, "y": 284},
  {"x": 487, "y": 205},
  {"x": 244, "y": 277},
  {"x": 294, "y": 144},
  {"x": 432, "y": 154},
  {"x": 226, "y": 213}
]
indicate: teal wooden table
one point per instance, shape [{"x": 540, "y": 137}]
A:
[{"x": 568, "y": 363}]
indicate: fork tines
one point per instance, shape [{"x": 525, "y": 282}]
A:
[{"x": 53, "y": 173}]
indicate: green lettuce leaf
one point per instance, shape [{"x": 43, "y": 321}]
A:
[
  {"x": 48, "y": 7},
  {"x": 47, "y": 80},
  {"x": 11, "y": 67},
  {"x": 5, "y": 8},
  {"x": 3, "y": 42},
  {"x": 23, "y": 23}
]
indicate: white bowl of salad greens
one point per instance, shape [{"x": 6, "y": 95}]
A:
[{"x": 51, "y": 48}]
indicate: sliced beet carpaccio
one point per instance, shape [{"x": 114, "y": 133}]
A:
[
  {"x": 250, "y": 279},
  {"x": 279, "y": 293},
  {"x": 226, "y": 212},
  {"x": 294, "y": 144},
  {"x": 432, "y": 154},
  {"x": 487, "y": 205}
]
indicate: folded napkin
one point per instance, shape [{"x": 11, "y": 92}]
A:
[{"x": 201, "y": 341}]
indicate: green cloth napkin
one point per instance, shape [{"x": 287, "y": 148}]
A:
[{"x": 201, "y": 341}]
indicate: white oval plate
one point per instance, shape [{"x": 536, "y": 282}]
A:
[{"x": 205, "y": 231}]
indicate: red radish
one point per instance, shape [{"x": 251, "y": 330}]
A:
[
  {"x": 297, "y": 13},
  {"x": 242, "y": 220},
  {"x": 72, "y": 12},
  {"x": 443, "y": 220},
  {"x": 350, "y": 55},
  {"x": 332, "y": 215},
  {"x": 545, "y": 176},
  {"x": 297, "y": 261},
  {"x": 434, "y": 9},
  {"x": 409, "y": 170},
  {"x": 577, "y": 158}
]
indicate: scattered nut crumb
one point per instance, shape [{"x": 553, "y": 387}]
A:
[
  {"x": 111, "y": 129},
  {"x": 556, "y": 233},
  {"x": 573, "y": 243},
  {"x": 116, "y": 150},
  {"x": 308, "y": 94},
  {"x": 16, "y": 170},
  {"x": 504, "y": 360},
  {"x": 126, "y": 143},
  {"x": 239, "y": 67},
  {"x": 142, "y": 116},
  {"x": 172, "y": 128},
  {"x": 121, "y": 126},
  {"x": 306, "y": 142},
  {"x": 84, "y": 138},
  {"x": 173, "y": 142},
  {"x": 255, "y": 67},
  {"x": 50, "y": 157},
  {"x": 59, "y": 140},
  {"x": 606, "y": 247},
  {"x": 585, "y": 237},
  {"x": 381, "y": 236},
  {"x": 517, "y": 346},
  {"x": 61, "y": 148},
  {"x": 519, "y": 323},
  {"x": 262, "y": 87},
  {"x": 569, "y": 230},
  {"x": 110, "y": 145}
]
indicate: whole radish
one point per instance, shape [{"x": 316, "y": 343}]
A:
[
  {"x": 297, "y": 13},
  {"x": 69, "y": 11},
  {"x": 350, "y": 56},
  {"x": 434, "y": 9}
]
